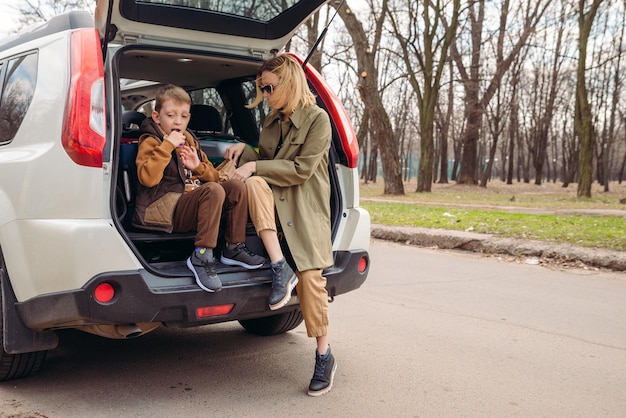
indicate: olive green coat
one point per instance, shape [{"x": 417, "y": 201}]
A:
[{"x": 298, "y": 176}]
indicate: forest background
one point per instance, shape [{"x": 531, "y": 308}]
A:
[{"x": 467, "y": 90}]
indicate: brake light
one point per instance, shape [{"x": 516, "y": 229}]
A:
[
  {"x": 104, "y": 292},
  {"x": 208, "y": 311},
  {"x": 84, "y": 125},
  {"x": 337, "y": 113},
  {"x": 362, "y": 264}
]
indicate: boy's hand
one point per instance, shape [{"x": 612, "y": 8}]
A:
[
  {"x": 176, "y": 138},
  {"x": 189, "y": 157}
]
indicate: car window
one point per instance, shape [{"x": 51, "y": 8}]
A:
[
  {"x": 208, "y": 96},
  {"x": 263, "y": 11},
  {"x": 17, "y": 93}
]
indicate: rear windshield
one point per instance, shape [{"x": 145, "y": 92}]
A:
[{"x": 262, "y": 11}]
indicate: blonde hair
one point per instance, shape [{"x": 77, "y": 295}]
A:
[
  {"x": 171, "y": 92},
  {"x": 292, "y": 85}
]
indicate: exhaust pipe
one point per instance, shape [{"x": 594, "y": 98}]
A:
[
  {"x": 128, "y": 330},
  {"x": 120, "y": 331}
]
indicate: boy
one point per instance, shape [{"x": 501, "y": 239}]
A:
[{"x": 179, "y": 190}]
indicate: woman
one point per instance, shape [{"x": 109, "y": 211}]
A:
[{"x": 289, "y": 177}]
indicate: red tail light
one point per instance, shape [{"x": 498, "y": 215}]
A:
[
  {"x": 104, "y": 292},
  {"x": 84, "y": 125},
  {"x": 338, "y": 114},
  {"x": 218, "y": 310},
  {"x": 362, "y": 264}
]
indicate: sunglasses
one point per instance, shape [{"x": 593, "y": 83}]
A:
[{"x": 268, "y": 88}]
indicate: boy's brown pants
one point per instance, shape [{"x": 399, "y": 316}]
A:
[{"x": 201, "y": 210}]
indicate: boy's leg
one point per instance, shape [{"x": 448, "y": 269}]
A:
[
  {"x": 236, "y": 214},
  {"x": 236, "y": 210},
  {"x": 200, "y": 210}
]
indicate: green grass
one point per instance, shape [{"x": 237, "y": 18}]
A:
[
  {"x": 470, "y": 208},
  {"x": 589, "y": 231}
]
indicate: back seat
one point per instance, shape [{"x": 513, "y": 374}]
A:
[{"x": 206, "y": 125}]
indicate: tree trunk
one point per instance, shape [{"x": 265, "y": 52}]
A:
[
  {"x": 583, "y": 116},
  {"x": 472, "y": 79},
  {"x": 381, "y": 129}
]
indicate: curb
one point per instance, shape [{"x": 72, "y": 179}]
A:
[{"x": 489, "y": 244}]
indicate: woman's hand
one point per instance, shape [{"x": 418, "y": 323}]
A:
[
  {"x": 242, "y": 173},
  {"x": 234, "y": 151}
]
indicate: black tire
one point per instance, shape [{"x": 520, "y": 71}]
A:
[
  {"x": 16, "y": 366},
  {"x": 273, "y": 325}
]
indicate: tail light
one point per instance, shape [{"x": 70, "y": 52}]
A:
[
  {"x": 84, "y": 124},
  {"x": 337, "y": 113},
  {"x": 217, "y": 310},
  {"x": 363, "y": 263},
  {"x": 104, "y": 292}
]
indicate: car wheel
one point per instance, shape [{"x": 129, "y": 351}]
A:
[
  {"x": 15, "y": 366},
  {"x": 275, "y": 324}
]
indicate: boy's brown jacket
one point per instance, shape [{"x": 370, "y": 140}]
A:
[{"x": 161, "y": 177}]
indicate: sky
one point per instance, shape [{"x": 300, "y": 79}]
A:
[{"x": 8, "y": 17}]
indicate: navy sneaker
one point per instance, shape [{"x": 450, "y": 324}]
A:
[
  {"x": 202, "y": 265},
  {"x": 325, "y": 367},
  {"x": 242, "y": 256}
]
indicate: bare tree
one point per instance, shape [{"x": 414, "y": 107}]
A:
[
  {"x": 531, "y": 12},
  {"x": 430, "y": 56},
  {"x": 583, "y": 114},
  {"x": 381, "y": 128},
  {"x": 547, "y": 83},
  {"x": 444, "y": 125},
  {"x": 608, "y": 81}
]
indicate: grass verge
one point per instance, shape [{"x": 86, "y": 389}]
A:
[{"x": 469, "y": 208}]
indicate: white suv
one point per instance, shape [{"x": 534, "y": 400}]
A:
[{"x": 73, "y": 94}]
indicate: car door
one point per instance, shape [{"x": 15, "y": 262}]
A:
[{"x": 235, "y": 27}]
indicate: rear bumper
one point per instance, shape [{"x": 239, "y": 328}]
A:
[{"x": 141, "y": 297}]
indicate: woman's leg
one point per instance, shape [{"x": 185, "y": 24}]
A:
[
  {"x": 313, "y": 299},
  {"x": 262, "y": 214}
]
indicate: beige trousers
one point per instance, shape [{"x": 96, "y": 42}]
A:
[{"x": 311, "y": 287}]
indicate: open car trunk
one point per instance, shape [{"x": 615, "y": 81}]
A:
[
  {"x": 219, "y": 119},
  {"x": 218, "y": 69}
]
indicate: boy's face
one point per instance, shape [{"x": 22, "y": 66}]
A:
[{"x": 173, "y": 116}]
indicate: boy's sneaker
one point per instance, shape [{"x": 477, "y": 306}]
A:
[
  {"x": 242, "y": 256},
  {"x": 284, "y": 280},
  {"x": 325, "y": 367},
  {"x": 202, "y": 265}
]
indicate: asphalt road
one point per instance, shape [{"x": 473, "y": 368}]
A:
[{"x": 432, "y": 333}]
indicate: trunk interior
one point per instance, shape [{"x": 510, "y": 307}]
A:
[{"x": 220, "y": 87}]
